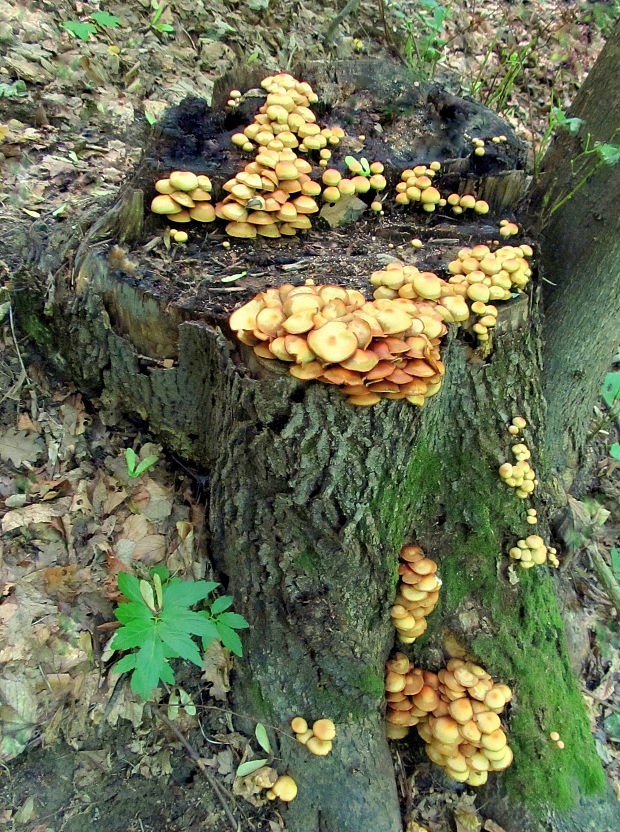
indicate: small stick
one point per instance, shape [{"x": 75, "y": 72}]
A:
[{"x": 219, "y": 790}]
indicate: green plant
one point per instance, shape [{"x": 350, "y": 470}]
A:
[
  {"x": 253, "y": 765},
  {"x": 135, "y": 466},
  {"x": 158, "y": 10},
  {"x": 157, "y": 620},
  {"x": 557, "y": 118},
  {"x": 423, "y": 36},
  {"x": 512, "y": 64},
  {"x": 361, "y": 167},
  {"x": 600, "y": 154},
  {"x": 17, "y": 89},
  {"x": 83, "y": 30}
]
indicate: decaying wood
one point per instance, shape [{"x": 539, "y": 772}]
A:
[{"x": 309, "y": 500}]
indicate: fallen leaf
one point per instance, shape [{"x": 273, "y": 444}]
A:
[
  {"x": 21, "y": 446},
  {"x": 36, "y": 513},
  {"x": 216, "y": 669}
]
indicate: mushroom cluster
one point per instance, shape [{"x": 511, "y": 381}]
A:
[
  {"x": 318, "y": 739},
  {"x": 285, "y": 788},
  {"x": 436, "y": 298},
  {"x": 369, "y": 349},
  {"x": 517, "y": 424},
  {"x": 532, "y": 551},
  {"x": 520, "y": 476},
  {"x": 456, "y": 713},
  {"x": 532, "y": 516},
  {"x": 286, "y": 119},
  {"x": 416, "y": 185},
  {"x": 272, "y": 196},
  {"x": 507, "y": 229},
  {"x": 417, "y": 593},
  {"x": 337, "y": 186},
  {"x": 184, "y": 196},
  {"x": 467, "y": 202},
  {"x": 491, "y": 275}
]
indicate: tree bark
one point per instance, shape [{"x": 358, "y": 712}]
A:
[
  {"x": 580, "y": 253},
  {"x": 309, "y": 502}
]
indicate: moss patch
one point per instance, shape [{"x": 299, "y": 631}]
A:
[{"x": 514, "y": 631}]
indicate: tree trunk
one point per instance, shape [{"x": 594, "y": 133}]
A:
[
  {"x": 310, "y": 500},
  {"x": 580, "y": 251}
]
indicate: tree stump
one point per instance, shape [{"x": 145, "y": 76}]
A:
[{"x": 309, "y": 499}]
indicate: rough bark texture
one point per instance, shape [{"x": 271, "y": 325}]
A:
[
  {"x": 580, "y": 250},
  {"x": 309, "y": 501}
]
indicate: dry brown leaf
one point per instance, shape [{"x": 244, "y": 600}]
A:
[
  {"x": 36, "y": 513},
  {"x": 20, "y": 446},
  {"x": 153, "y": 500},
  {"x": 491, "y": 826},
  {"x": 25, "y": 423},
  {"x": 150, "y": 549},
  {"x": 216, "y": 666},
  {"x": 135, "y": 527}
]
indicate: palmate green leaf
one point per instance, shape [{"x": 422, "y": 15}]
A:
[
  {"x": 132, "y": 611},
  {"x": 83, "y": 31},
  {"x": 614, "y": 450},
  {"x": 234, "y": 620},
  {"x": 181, "y": 642},
  {"x": 229, "y": 638},
  {"x": 180, "y": 593},
  {"x": 221, "y": 604},
  {"x": 150, "y": 663},
  {"x": 129, "y": 585},
  {"x": 128, "y": 662},
  {"x": 211, "y": 630},
  {"x": 186, "y": 621},
  {"x": 134, "y": 634},
  {"x": 103, "y": 18}
]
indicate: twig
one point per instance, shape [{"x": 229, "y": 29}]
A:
[
  {"x": 388, "y": 34},
  {"x": 605, "y": 576},
  {"x": 23, "y": 376},
  {"x": 220, "y": 792}
]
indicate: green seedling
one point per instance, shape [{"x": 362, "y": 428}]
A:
[
  {"x": 157, "y": 620},
  {"x": 158, "y": 10},
  {"x": 424, "y": 43},
  {"x": 253, "y": 765},
  {"x": 600, "y": 154},
  {"x": 135, "y": 466},
  {"x": 230, "y": 278},
  {"x": 360, "y": 167},
  {"x": 83, "y": 29}
]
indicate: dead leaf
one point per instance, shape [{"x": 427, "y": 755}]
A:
[
  {"x": 466, "y": 816},
  {"x": 216, "y": 666},
  {"x": 150, "y": 549},
  {"x": 153, "y": 500},
  {"x": 491, "y": 826},
  {"x": 20, "y": 446},
  {"x": 25, "y": 423},
  {"x": 36, "y": 513}
]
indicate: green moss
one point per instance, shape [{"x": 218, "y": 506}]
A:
[
  {"x": 36, "y": 330},
  {"x": 369, "y": 682},
  {"x": 307, "y": 561},
  {"x": 516, "y": 631}
]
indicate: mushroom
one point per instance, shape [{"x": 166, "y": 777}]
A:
[{"x": 285, "y": 788}]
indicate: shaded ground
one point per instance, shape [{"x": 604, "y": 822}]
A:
[{"x": 71, "y": 517}]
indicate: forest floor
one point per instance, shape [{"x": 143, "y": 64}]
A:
[{"x": 75, "y": 108}]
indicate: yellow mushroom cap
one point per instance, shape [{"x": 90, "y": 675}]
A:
[
  {"x": 320, "y": 748},
  {"x": 183, "y": 180},
  {"x": 299, "y": 725},
  {"x": 324, "y": 729},
  {"x": 285, "y": 788},
  {"x": 164, "y": 204}
]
